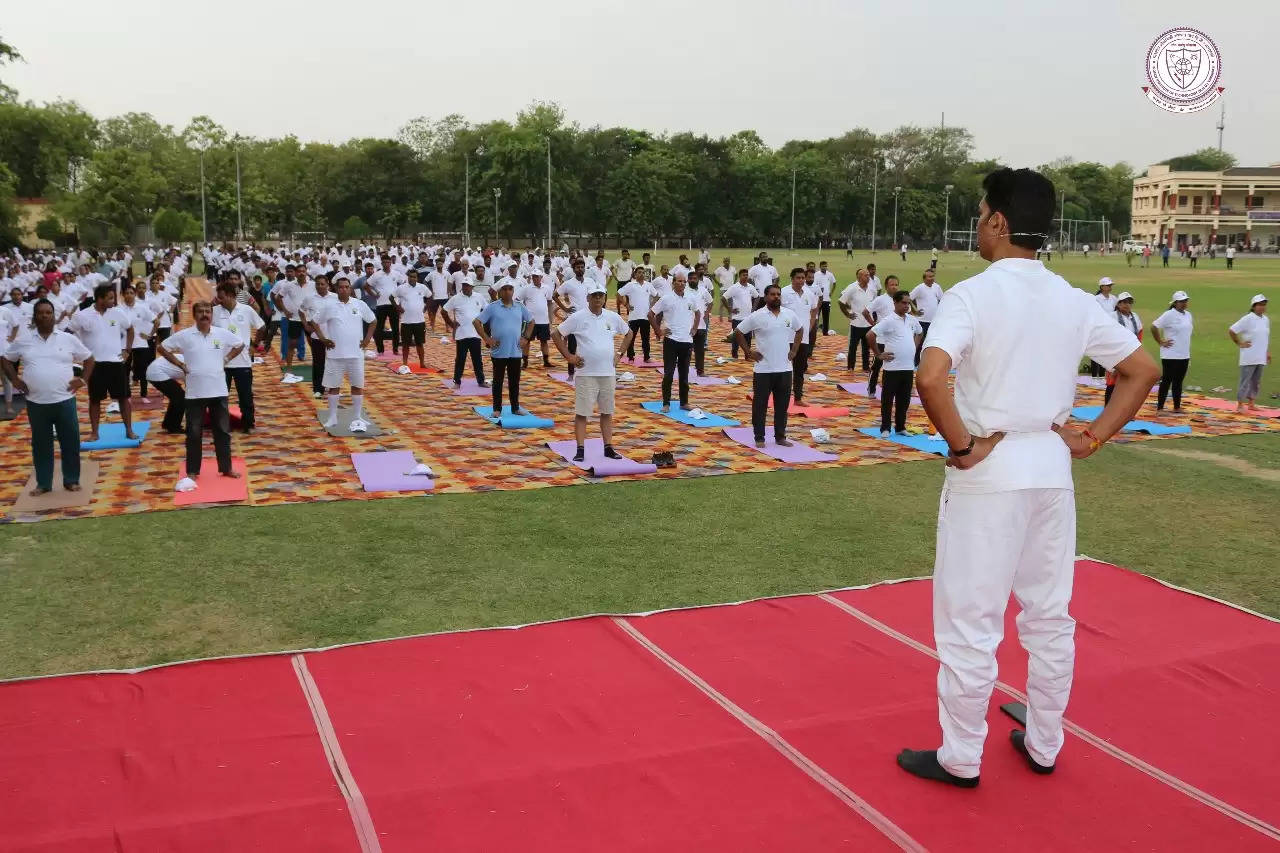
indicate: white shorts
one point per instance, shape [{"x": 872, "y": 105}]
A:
[
  {"x": 337, "y": 369},
  {"x": 591, "y": 393}
]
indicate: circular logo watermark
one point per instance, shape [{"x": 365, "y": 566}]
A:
[{"x": 1183, "y": 71}]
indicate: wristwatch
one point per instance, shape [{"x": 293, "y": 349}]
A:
[{"x": 966, "y": 451}]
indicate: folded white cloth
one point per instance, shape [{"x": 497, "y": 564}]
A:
[
  {"x": 403, "y": 370},
  {"x": 186, "y": 484},
  {"x": 113, "y": 407},
  {"x": 418, "y": 470},
  {"x": 733, "y": 380},
  {"x": 841, "y": 355},
  {"x": 720, "y": 359},
  {"x": 257, "y": 359},
  {"x": 821, "y": 436},
  {"x": 444, "y": 340},
  {"x": 370, "y": 354},
  {"x": 359, "y": 425},
  {"x": 697, "y": 414},
  {"x": 818, "y": 377},
  {"x": 831, "y": 331},
  {"x": 627, "y": 376}
]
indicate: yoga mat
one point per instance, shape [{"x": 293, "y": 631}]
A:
[
  {"x": 917, "y": 442},
  {"x": 303, "y": 370},
  {"x": 414, "y": 369},
  {"x": 111, "y": 436},
  {"x": 797, "y": 452},
  {"x": 695, "y": 379},
  {"x": 1215, "y": 403},
  {"x": 59, "y": 498},
  {"x": 561, "y": 376},
  {"x": 212, "y": 487},
  {"x": 234, "y": 417},
  {"x": 155, "y": 401},
  {"x": 468, "y": 388},
  {"x": 680, "y": 415},
  {"x": 343, "y": 429},
  {"x": 387, "y": 356},
  {"x": 807, "y": 411},
  {"x": 596, "y": 463},
  {"x": 385, "y": 472},
  {"x": 16, "y": 407},
  {"x": 860, "y": 389},
  {"x": 639, "y": 361},
  {"x": 1092, "y": 381},
  {"x": 511, "y": 421},
  {"x": 1088, "y": 413}
]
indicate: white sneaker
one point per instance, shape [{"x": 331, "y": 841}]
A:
[
  {"x": 317, "y": 395},
  {"x": 884, "y": 433},
  {"x": 331, "y": 423}
]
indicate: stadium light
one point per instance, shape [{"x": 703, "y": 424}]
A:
[
  {"x": 946, "y": 227},
  {"x": 896, "y": 190}
]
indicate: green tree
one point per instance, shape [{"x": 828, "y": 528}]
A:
[
  {"x": 1204, "y": 160},
  {"x": 175, "y": 226},
  {"x": 50, "y": 229},
  {"x": 355, "y": 228},
  {"x": 8, "y": 208},
  {"x": 121, "y": 189},
  {"x": 8, "y": 53}
]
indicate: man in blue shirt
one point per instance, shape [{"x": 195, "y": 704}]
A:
[{"x": 509, "y": 325}]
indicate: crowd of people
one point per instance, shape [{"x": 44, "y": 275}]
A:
[{"x": 333, "y": 301}]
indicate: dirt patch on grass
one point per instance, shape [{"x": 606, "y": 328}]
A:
[{"x": 1231, "y": 463}]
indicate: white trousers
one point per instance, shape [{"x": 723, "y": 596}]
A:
[{"x": 988, "y": 545}]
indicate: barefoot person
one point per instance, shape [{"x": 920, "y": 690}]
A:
[
  {"x": 900, "y": 335},
  {"x": 596, "y": 361},
  {"x": 510, "y": 325},
  {"x": 1252, "y": 334},
  {"x": 108, "y": 333},
  {"x": 1007, "y": 520},
  {"x": 770, "y": 337},
  {"x": 245, "y": 323},
  {"x": 411, "y": 303},
  {"x": 681, "y": 314},
  {"x": 207, "y": 352},
  {"x": 344, "y": 326},
  {"x": 50, "y": 384}
]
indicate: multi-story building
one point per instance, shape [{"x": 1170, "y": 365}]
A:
[{"x": 1238, "y": 206}]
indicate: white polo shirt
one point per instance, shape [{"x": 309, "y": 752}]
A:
[
  {"x": 1016, "y": 371},
  {"x": 576, "y": 292},
  {"x": 464, "y": 310},
  {"x": 726, "y": 276},
  {"x": 413, "y": 299},
  {"x": 801, "y": 303},
  {"x": 438, "y": 281},
  {"x": 624, "y": 269},
  {"x": 313, "y": 304},
  {"x": 825, "y": 282},
  {"x": 205, "y": 359},
  {"x": 927, "y": 298},
  {"x": 897, "y": 334},
  {"x": 291, "y": 296},
  {"x": 640, "y": 296},
  {"x": 599, "y": 273},
  {"x": 661, "y": 285},
  {"x": 161, "y": 369},
  {"x": 595, "y": 333},
  {"x": 143, "y": 319},
  {"x": 242, "y": 321},
  {"x": 104, "y": 334},
  {"x": 47, "y": 363},
  {"x": 740, "y": 298},
  {"x": 857, "y": 299},
  {"x": 343, "y": 323},
  {"x": 384, "y": 284},
  {"x": 774, "y": 335},
  {"x": 1256, "y": 329},
  {"x": 1175, "y": 326},
  {"x": 1107, "y": 301},
  {"x": 706, "y": 299},
  {"x": 458, "y": 278},
  {"x": 677, "y": 314},
  {"x": 536, "y": 298}
]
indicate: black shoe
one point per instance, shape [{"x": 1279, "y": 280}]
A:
[
  {"x": 924, "y": 764},
  {"x": 580, "y": 455},
  {"x": 1019, "y": 739},
  {"x": 610, "y": 453},
  {"x": 482, "y": 384}
]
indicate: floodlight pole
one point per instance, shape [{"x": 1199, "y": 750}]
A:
[
  {"x": 875, "y": 187},
  {"x": 466, "y": 203},
  {"x": 204, "y": 218},
  {"x": 793, "y": 211},
  {"x": 548, "y": 192},
  {"x": 896, "y": 190},
  {"x": 496, "y": 194},
  {"x": 239, "y": 212},
  {"x": 946, "y": 221}
]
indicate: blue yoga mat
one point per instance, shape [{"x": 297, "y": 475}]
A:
[
  {"x": 1088, "y": 413},
  {"x": 512, "y": 421},
  {"x": 679, "y": 414},
  {"x": 111, "y": 436},
  {"x": 915, "y": 442}
]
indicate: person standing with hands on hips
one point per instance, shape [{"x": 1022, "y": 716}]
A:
[
  {"x": 1172, "y": 331},
  {"x": 1252, "y": 334}
]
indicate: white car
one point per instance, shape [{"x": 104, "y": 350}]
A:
[{"x": 1132, "y": 246}]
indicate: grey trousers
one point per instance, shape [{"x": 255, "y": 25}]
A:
[{"x": 1250, "y": 381}]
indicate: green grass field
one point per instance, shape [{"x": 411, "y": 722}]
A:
[{"x": 140, "y": 589}]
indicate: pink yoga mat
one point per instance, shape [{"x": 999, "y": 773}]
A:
[
  {"x": 1230, "y": 406},
  {"x": 383, "y": 471},
  {"x": 797, "y": 452},
  {"x": 640, "y": 362},
  {"x": 695, "y": 379},
  {"x": 860, "y": 389},
  {"x": 468, "y": 388},
  {"x": 388, "y": 356},
  {"x": 596, "y": 463},
  {"x": 561, "y": 376}
]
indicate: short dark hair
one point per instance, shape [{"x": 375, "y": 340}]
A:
[
  {"x": 227, "y": 288},
  {"x": 795, "y": 271},
  {"x": 1026, "y": 200},
  {"x": 101, "y": 291},
  {"x": 890, "y": 278},
  {"x": 901, "y": 295},
  {"x": 773, "y": 285}
]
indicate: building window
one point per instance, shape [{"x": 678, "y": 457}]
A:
[
  {"x": 1182, "y": 200},
  {"x": 1256, "y": 201}
]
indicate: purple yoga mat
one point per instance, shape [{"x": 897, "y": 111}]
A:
[
  {"x": 468, "y": 388},
  {"x": 389, "y": 355},
  {"x": 596, "y": 463},
  {"x": 639, "y": 362},
  {"x": 860, "y": 389},
  {"x": 695, "y": 379},
  {"x": 797, "y": 452},
  {"x": 563, "y": 377},
  {"x": 383, "y": 471}
]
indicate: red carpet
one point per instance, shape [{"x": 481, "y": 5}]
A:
[{"x": 767, "y": 726}]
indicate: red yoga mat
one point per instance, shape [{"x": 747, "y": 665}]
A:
[
  {"x": 414, "y": 369},
  {"x": 212, "y": 487}
]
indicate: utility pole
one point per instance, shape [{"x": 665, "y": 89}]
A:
[
  {"x": 875, "y": 187},
  {"x": 1062, "y": 223},
  {"x": 496, "y": 194},
  {"x": 793, "y": 210},
  {"x": 1222, "y": 123},
  {"x": 466, "y": 203},
  {"x": 946, "y": 227},
  {"x": 548, "y": 193},
  {"x": 896, "y": 190},
  {"x": 239, "y": 212},
  {"x": 204, "y": 218}
]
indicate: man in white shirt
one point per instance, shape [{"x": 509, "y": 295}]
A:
[
  {"x": 536, "y": 297},
  {"x": 700, "y": 285},
  {"x": 739, "y": 298},
  {"x": 682, "y": 268},
  {"x": 1231, "y": 257},
  {"x": 411, "y": 303},
  {"x": 634, "y": 299},
  {"x": 207, "y": 351},
  {"x": 311, "y": 308},
  {"x": 778, "y": 338},
  {"x": 824, "y": 281},
  {"x": 438, "y": 282},
  {"x": 344, "y": 326},
  {"x": 1252, "y": 334},
  {"x": 48, "y": 357},
  {"x": 245, "y": 323},
  {"x": 647, "y": 265},
  {"x": 383, "y": 284},
  {"x": 459, "y": 313},
  {"x": 288, "y": 295},
  {"x": 624, "y": 269},
  {"x": 574, "y": 290},
  {"x": 661, "y": 283},
  {"x": 804, "y": 304},
  {"x": 926, "y": 296},
  {"x": 108, "y": 333},
  {"x": 762, "y": 273},
  {"x": 873, "y": 280},
  {"x": 880, "y": 307},
  {"x": 596, "y": 361},
  {"x": 681, "y": 311},
  {"x": 726, "y": 274},
  {"x": 900, "y": 335},
  {"x": 1007, "y": 517},
  {"x": 599, "y": 271},
  {"x": 902, "y": 250}
]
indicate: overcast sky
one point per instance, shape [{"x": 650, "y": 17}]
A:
[{"x": 1030, "y": 85}]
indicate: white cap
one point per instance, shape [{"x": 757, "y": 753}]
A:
[
  {"x": 596, "y": 287},
  {"x": 1104, "y": 281},
  {"x": 1256, "y": 299},
  {"x": 1123, "y": 296},
  {"x": 1180, "y": 295}
]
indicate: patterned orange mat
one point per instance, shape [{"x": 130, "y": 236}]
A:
[{"x": 292, "y": 460}]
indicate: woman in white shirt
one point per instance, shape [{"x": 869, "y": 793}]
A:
[
  {"x": 1172, "y": 331},
  {"x": 1108, "y": 303},
  {"x": 1252, "y": 334},
  {"x": 1127, "y": 317}
]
